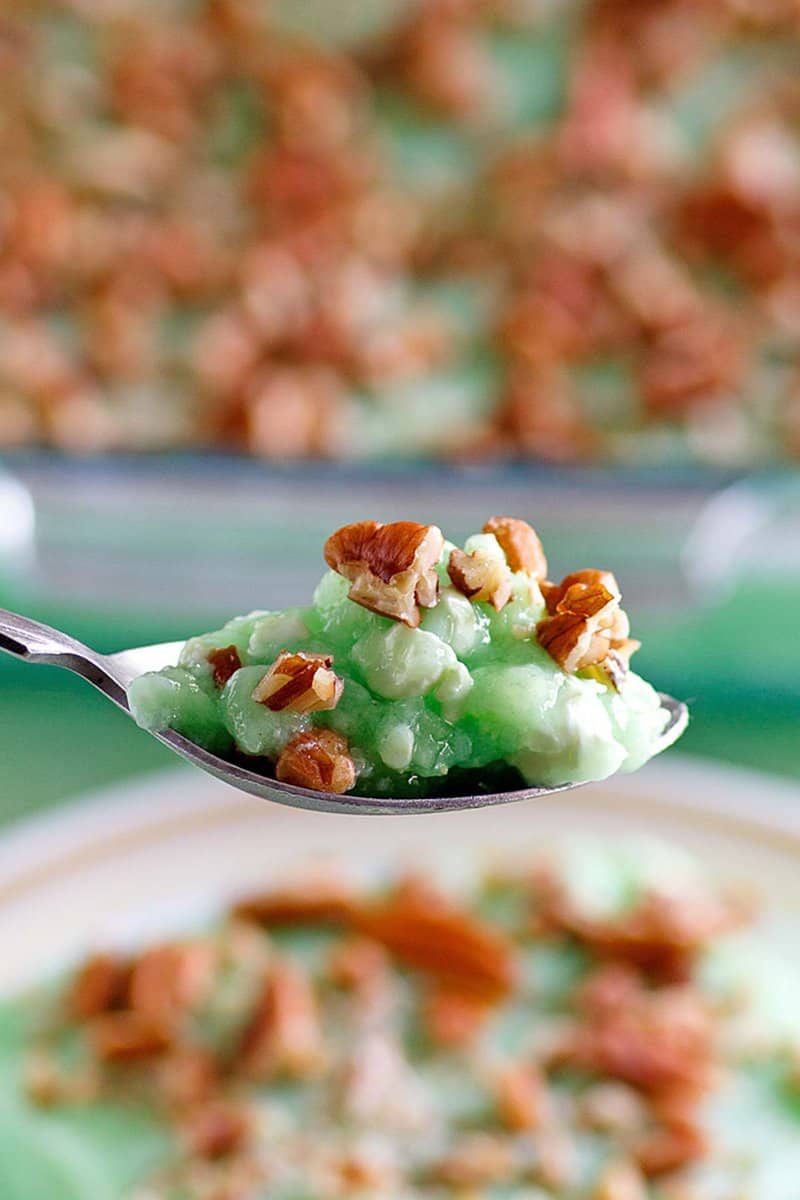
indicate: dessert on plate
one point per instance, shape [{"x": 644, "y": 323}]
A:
[
  {"x": 591, "y": 1026},
  {"x": 419, "y": 667}
]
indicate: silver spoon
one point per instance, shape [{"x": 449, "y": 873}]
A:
[{"x": 113, "y": 673}]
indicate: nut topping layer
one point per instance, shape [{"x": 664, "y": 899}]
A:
[
  {"x": 301, "y": 683},
  {"x": 392, "y": 568},
  {"x": 418, "y": 696}
]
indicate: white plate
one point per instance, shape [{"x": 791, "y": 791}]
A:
[{"x": 163, "y": 852}]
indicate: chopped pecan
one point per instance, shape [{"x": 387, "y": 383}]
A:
[
  {"x": 284, "y": 1036},
  {"x": 585, "y": 623},
  {"x": 359, "y": 965},
  {"x": 43, "y": 1079},
  {"x": 452, "y": 1017},
  {"x": 481, "y": 576},
  {"x": 520, "y": 544},
  {"x": 620, "y": 1180},
  {"x": 318, "y": 759},
  {"x": 554, "y": 593},
  {"x": 523, "y": 1102},
  {"x": 359, "y": 1171},
  {"x": 310, "y": 901},
  {"x": 218, "y": 1130},
  {"x": 480, "y": 1159},
  {"x": 98, "y": 986},
  {"x": 187, "y": 1076},
  {"x": 167, "y": 981},
  {"x": 558, "y": 1165},
  {"x": 126, "y": 1036},
  {"x": 225, "y": 661},
  {"x": 614, "y": 1108},
  {"x": 670, "y": 1147},
  {"x": 613, "y": 670},
  {"x": 657, "y": 1041},
  {"x": 426, "y": 931},
  {"x": 391, "y": 568},
  {"x": 48, "y": 1083},
  {"x": 662, "y": 935},
  {"x": 300, "y": 683}
]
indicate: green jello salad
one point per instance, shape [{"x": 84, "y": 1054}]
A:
[{"x": 418, "y": 662}]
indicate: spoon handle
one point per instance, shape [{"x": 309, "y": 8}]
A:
[{"x": 34, "y": 642}]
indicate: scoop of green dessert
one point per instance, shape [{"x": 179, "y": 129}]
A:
[{"x": 416, "y": 662}]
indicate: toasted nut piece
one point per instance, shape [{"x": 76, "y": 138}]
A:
[
  {"x": 669, "y": 1148},
  {"x": 480, "y": 1159},
  {"x": 359, "y": 965},
  {"x": 305, "y": 901},
  {"x": 558, "y": 1163},
  {"x": 481, "y": 577},
  {"x": 98, "y": 986},
  {"x": 284, "y": 1036},
  {"x": 43, "y": 1080},
  {"x": 520, "y": 544},
  {"x": 392, "y": 568},
  {"x": 523, "y": 1103},
  {"x": 300, "y": 683},
  {"x": 454, "y": 1017},
  {"x": 661, "y": 935},
  {"x": 125, "y": 1036},
  {"x": 226, "y": 662},
  {"x": 318, "y": 759},
  {"x": 186, "y": 1077},
  {"x": 621, "y": 1180},
  {"x": 414, "y": 925},
  {"x": 613, "y": 1107},
  {"x": 47, "y": 1083},
  {"x": 585, "y": 623},
  {"x": 217, "y": 1130},
  {"x": 167, "y": 981},
  {"x": 554, "y": 593}
]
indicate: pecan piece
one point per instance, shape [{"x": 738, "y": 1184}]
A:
[
  {"x": 186, "y": 1077},
  {"x": 225, "y": 662},
  {"x": 481, "y": 576},
  {"x": 520, "y": 544},
  {"x": 478, "y": 1160},
  {"x": 670, "y": 1147},
  {"x": 454, "y": 1018},
  {"x": 661, "y": 935},
  {"x": 318, "y": 759},
  {"x": 98, "y": 986},
  {"x": 218, "y": 1130},
  {"x": 424, "y": 930},
  {"x": 523, "y": 1102},
  {"x": 301, "y": 683},
  {"x": 391, "y": 568},
  {"x": 585, "y": 624},
  {"x": 306, "y": 901},
  {"x": 360, "y": 966},
  {"x": 167, "y": 981},
  {"x": 621, "y": 1180},
  {"x": 126, "y": 1036},
  {"x": 284, "y": 1036},
  {"x": 657, "y": 1041}
]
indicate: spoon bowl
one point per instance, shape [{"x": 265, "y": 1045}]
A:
[{"x": 112, "y": 674}]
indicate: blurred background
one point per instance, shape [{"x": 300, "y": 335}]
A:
[{"x": 269, "y": 267}]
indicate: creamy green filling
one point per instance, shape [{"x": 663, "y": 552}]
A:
[{"x": 468, "y": 688}]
